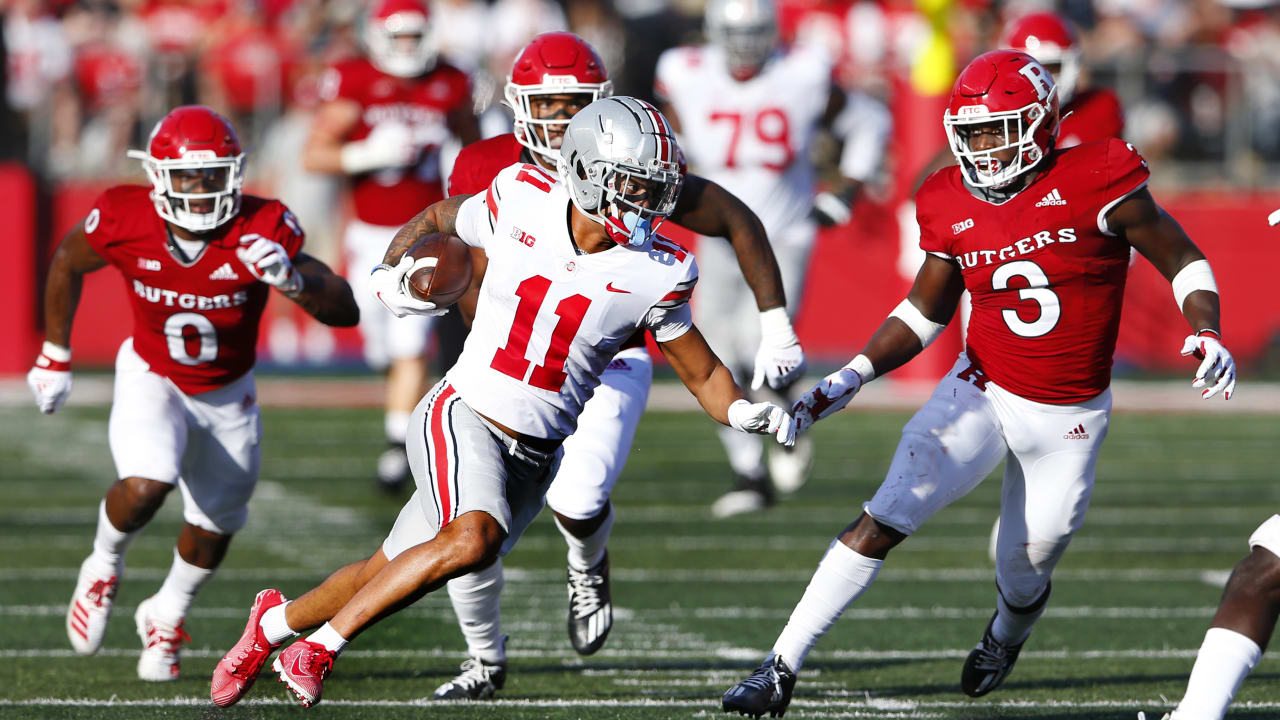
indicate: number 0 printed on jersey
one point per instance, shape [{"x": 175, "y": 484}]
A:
[{"x": 510, "y": 360}]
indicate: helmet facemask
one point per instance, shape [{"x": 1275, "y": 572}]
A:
[
  {"x": 981, "y": 167},
  {"x": 544, "y": 136},
  {"x": 401, "y": 44},
  {"x": 746, "y": 47},
  {"x": 634, "y": 200},
  {"x": 219, "y": 180}
]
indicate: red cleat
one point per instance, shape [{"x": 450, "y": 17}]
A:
[
  {"x": 303, "y": 666},
  {"x": 237, "y": 670}
]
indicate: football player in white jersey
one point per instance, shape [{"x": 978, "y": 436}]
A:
[
  {"x": 748, "y": 111},
  {"x": 574, "y": 269}
]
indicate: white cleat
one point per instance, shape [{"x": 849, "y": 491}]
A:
[
  {"x": 789, "y": 466},
  {"x": 161, "y": 644},
  {"x": 90, "y": 609}
]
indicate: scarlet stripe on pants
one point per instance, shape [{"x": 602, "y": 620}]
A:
[{"x": 440, "y": 444}]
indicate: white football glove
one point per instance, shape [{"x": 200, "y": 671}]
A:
[
  {"x": 831, "y": 393},
  {"x": 50, "y": 378},
  {"x": 389, "y": 145},
  {"x": 763, "y": 418},
  {"x": 780, "y": 359},
  {"x": 388, "y": 285},
  {"x": 1217, "y": 368},
  {"x": 269, "y": 262}
]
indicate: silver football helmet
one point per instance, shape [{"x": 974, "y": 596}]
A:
[
  {"x": 622, "y": 166},
  {"x": 746, "y": 30}
]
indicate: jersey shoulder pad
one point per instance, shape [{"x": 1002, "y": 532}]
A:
[
  {"x": 480, "y": 162},
  {"x": 345, "y": 78},
  {"x": 119, "y": 213},
  {"x": 521, "y": 183},
  {"x": 1126, "y": 168},
  {"x": 270, "y": 218},
  {"x": 674, "y": 67}
]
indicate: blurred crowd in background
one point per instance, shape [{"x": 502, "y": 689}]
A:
[{"x": 85, "y": 79}]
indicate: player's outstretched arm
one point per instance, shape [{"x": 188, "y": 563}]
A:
[
  {"x": 709, "y": 209},
  {"x": 324, "y": 295},
  {"x": 907, "y": 331},
  {"x": 1162, "y": 241},
  {"x": 50, "y": 376},
  {"x": 712, "y": 384}
]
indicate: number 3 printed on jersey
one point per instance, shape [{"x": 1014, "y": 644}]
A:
[
  {"x": 1038, "y": 292},
  {"x": 770, "y": 126},
  {"x": 510, "y": 360}
]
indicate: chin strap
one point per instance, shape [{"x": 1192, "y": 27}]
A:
[{"x": 631, "y": 230}]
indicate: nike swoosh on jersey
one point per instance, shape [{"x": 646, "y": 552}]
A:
[{"x": 611, "y": 288}]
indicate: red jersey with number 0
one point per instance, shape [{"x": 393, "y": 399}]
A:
[
  {"x": 1094, "y": 114},
  {"x": 194, "y": 323},
  {"x": 1045, "y": 273},
  {"x": 392, "y": 196}
]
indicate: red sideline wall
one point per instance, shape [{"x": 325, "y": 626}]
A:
[{"x": 852, "y": 285}]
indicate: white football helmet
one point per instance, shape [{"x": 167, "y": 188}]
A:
[
  {"x": 746, "y": 30},
  {"x": 621, "y": 164}
]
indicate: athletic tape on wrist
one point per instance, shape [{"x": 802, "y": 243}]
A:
[
  {"x": 1195, "y": 276},
  {"x": 924, "y": 328},
  {"x": 862, "y": 365}
]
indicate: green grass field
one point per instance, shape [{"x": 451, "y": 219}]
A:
[{"x": 698, "y": 601}]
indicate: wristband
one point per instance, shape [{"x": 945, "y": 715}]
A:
[
  {"x": 1208, "y": 331},
  {"x": 54, "y": 357},
  {"x": 774, "y": 322},
  {"x": 862, "y": 365}
]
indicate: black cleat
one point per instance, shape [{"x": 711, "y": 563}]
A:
[
  {"x": 393, "y": 472},
  {"x": 767, "y": 690},
  {"x": 747, "y": 495},
  {"x": 590, "y": 607},
  {"x": 988, "y": 665}
]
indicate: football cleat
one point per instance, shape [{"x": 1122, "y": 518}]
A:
[
  {"x": 89, "y": 609},
  {"x": 161, "y": 644},
  {"x": 238, "y": 669},
  {"x": 393, "y": 469},
  {"x": 478, "y": 680},
  {"x": 303, "y": 666},
  {"x": 590, "y": 607},
  {"x": 988, "y": 664},
  {"x": 746, "y": 496},
  {"x": 767, "y": 690},
  {"x": 789, "y": 466}
]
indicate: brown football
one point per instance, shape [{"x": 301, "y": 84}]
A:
[{"x": 450, "y": 277}]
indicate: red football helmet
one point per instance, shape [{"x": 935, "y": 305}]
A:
[
  {"x": 398, "y": 36},
  {"x": 1053, "y": 42},
  {"x": 554, "y": 63},
  {"x": 196, "y": 143},
  {"x": 1009, "y": 87}
]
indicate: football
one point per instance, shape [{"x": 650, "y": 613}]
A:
[{"x": 444, "y": 280}]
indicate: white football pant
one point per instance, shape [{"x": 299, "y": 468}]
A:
[{"x": 386, "y": 337}]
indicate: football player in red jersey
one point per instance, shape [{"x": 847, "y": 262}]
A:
[
  {"x": 382, "y": 123},
  {"x": 1087, "y": 113},
  {"x": 1040, "y": 237},
  {"x": 199, "y": 259},
  {"x": 554, "y": 77}
]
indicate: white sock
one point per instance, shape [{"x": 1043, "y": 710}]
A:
[
  {"x": 476, "y": 599},
  {"x": 109, "y": 544},
  {"x": 171, "y": 603},
  {"x": 329, "y": 638},
  {"x": 585, "y": 553},
  {"x": 1225, "y": 658},
  {"x": 746, "y": 452},
  {"x": 1012, "y": 626},
  {"x": 275, "y": 624},
  {"x": 841, "y": 577},
  {"x": 396, "y": 425}
]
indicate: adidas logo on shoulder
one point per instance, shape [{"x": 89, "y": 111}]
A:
[
  {"x": 226, "y": 272},
  {"x": 1076, "y": 433},
  {"x": 1053, "y": 198}
]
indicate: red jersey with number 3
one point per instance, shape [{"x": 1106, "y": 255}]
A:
[
  {"x": 1045, "y": 273},
  {"x": 392, "y": 196},
  {"x": 195, "y": 323},
  {"x": 1094, "y": 114}
]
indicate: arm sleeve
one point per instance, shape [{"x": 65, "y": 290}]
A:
[
  {"x": 1126, "y": 174},
  {"x": 333, "y": 87},
  {"x": 475, "y": 220},
  {"x": 930, "y": 241},
  {"x": 101, "y": 225},
  {"x": 290, "y": 233},
  {"x": 670, "y": 317}
]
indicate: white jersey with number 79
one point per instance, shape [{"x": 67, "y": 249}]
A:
[{"x": 549, "y": 319}]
